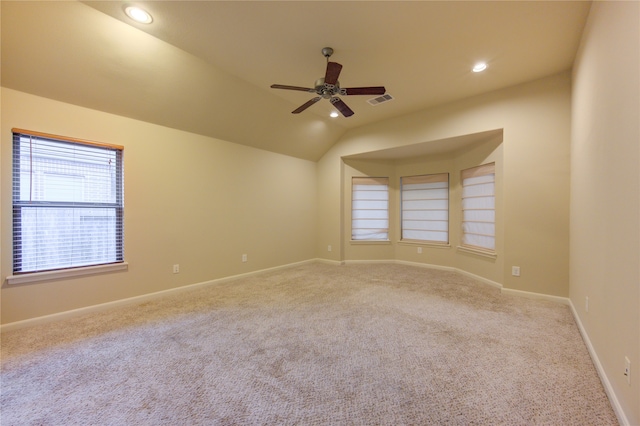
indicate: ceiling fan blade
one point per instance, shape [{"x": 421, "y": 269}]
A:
[
  {"x": 306, "y": 105},
  {"x": 302, "y": 89},
  {"x": 333, "y": 72},
  {"x": 377, "y": 90},
  {"x": 342, "y": 107}
]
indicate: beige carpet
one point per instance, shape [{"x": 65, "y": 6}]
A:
[{"x": 311, "y": 345}]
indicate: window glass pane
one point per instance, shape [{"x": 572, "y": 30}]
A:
[
  {"x": 442, "y": 215},
  {"x": 370, "y": 209},
  {"x": 480, "y": 228},
  {"x": 368, "y": 205},
  {"x": 478, "y": 203},
  {"x": 64, "y": 171},
  {"x": 477, "y": 190},
  {"x": 370, "y": 214},
  {"x": 68, "y": 204},
  {"x": 478, "y": 207},
  {"x": 410, "y": 234},
  {"x": 481, "y": 241},
  {"x": 425, "y": 207}
]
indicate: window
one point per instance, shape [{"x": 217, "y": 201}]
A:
[
  {"x": 370, "y": 208},
  {"x": 67, "y": 203},
  {"x": 425, "y": 207},
  {"x": 478, "y": 208}
]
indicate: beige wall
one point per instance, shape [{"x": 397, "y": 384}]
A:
[
  {"x": 533, "y": 210},
  {"x": 191, "y": 200},
  {"x": 605, "y": 193}
]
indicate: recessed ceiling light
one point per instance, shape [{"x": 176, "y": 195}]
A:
[
  {"x": 333, "y": 114},
  {"x": 479, "y": 67},
  {"x": 138, "y": 15}
]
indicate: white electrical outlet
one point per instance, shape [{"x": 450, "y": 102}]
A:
[
  {"x": 329, "y": 247},
  {"x": 515, "y": 271},
  {"x": 627, "y": 369},
  {"x": 419, "y": 250},
  {"x": 244, "y": 257},
  {"x": 176, "y": 269},
  {"x": 586, "y": 304}
]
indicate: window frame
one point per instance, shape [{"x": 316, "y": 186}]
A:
[
  {"x": 373, "y": 181},
  {"x": 487, "y": 169},
  {"x": 431, "y": 178},
  {"x": 20, "y": 275}
]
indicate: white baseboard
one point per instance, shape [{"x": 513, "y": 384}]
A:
[
  {"x": 540, "y": 296},
  {"x": 425, "y": 265},
  {"x": 617, "y": 408},
  {"x": 528, "y": 294},
  {"x": 137, "y": 299},
  {"x": 360, "y": 262},
  {"x": 329, "y": 262},
  {"x": 400, "y": 262},
  {"x": 479, "y": 278}
]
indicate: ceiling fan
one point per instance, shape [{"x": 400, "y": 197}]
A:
[{"x": 329, "y": 86}]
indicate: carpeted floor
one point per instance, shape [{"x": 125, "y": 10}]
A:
[{"x": 310, "y": 345}]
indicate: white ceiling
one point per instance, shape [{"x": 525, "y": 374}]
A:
[{"x": 206, "y": 66}]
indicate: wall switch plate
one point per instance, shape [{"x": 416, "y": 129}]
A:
[
  {"x": 627, "y": 369},
  {"x": 586, "y": 304},
  {"x": 176, "y": 269},
  {"x": 419, "y": 250},
  {"x": 515, "y": 271},
  {"x": 244, "y": 257},
  {"x": 329, "y": 247}
]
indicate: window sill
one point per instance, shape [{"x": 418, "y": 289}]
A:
[
  {"x": 358, "y": 242},
  {"x": 424, "y": 244},
  {"x": 66, "y": 273},
  {"x": 479, "y": 252}
]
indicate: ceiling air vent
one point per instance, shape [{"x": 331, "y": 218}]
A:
[{"x": 380, "y": 99}]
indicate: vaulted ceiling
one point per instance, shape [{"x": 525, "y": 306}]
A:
[{"x": 207, "y": 66}]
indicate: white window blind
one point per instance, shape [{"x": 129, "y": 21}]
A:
[
  {"x": 425, "y": 207},
  {"x": 478, "y": 207},
  {"x": 370, "y": 208},
  {"x": 67, "y": 202}
]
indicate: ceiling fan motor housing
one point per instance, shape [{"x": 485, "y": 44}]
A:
[{"x": 326, "y": 90}]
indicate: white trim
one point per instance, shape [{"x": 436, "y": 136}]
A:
[
  {"x": 357, "y": 242},
  {"x": 330, "y": 262},
  {"x": 425, "y": 244},
  {"x": 33, "y": 277},
  {"x": 136, "y": 299},
  {"x": 479, "y": 278},
  {"x": 425, "y": 265},
  {"x": 356, "y": 262},
  {"x": 540, "y": 296},
  {"x": 617, "y": 408}
]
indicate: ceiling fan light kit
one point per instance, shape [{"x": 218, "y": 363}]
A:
[{"x": 328, "y": 87}]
